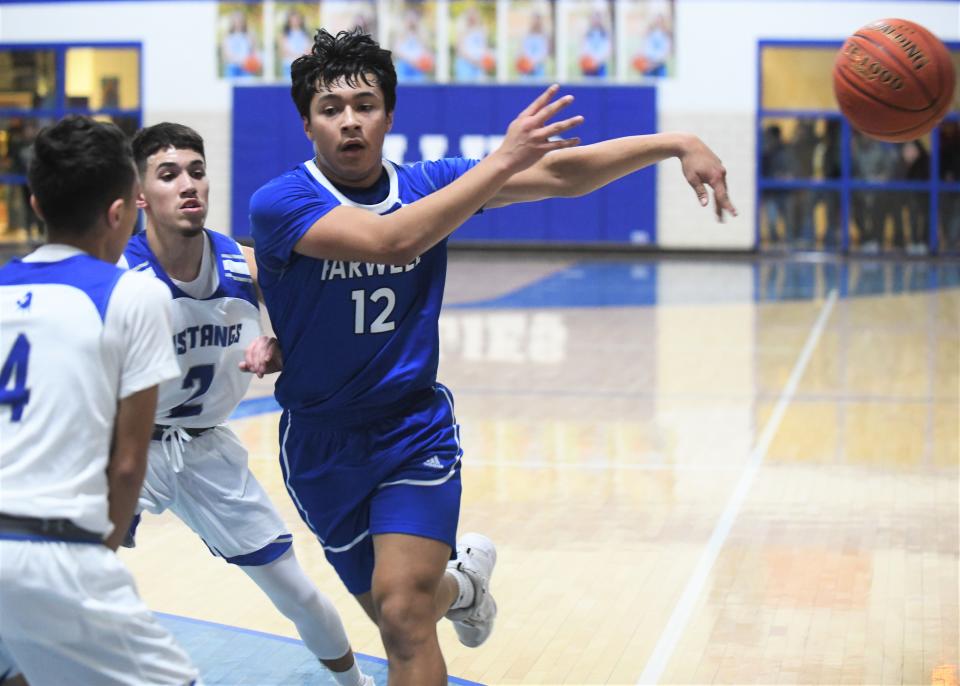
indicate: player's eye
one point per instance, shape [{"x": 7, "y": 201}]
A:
[{"x": 328, "y": 111}]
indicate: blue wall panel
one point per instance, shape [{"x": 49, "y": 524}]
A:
[
  {"x": 268, "y": 139},
  {"x": 631, "y": 217}
]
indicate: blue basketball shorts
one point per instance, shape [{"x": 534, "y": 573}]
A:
[{"x": 400, "y": 474}]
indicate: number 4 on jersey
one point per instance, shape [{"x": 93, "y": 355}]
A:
[{"x": 15, "y": 369}]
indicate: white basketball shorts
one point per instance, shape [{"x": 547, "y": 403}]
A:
[
  {"x": 70, "y": 614},
  {"x": 215, "y": 494}
]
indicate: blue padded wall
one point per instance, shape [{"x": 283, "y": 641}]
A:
[{"x": 268, "y": 139}]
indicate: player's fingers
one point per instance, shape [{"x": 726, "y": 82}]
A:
[
  {"x": 561, "y": 143},
  {"x": 249, "y": 362},
  {"x": 699, "y": 189},
  {"x": 551, "y": 110},
  {"x": 559, "y": 127},
  {"x": 253, "y": 356},
  {"x": 722, "y": 199},
  {"x": 541, "y": 100}
]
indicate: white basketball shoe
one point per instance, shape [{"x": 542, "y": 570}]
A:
[{"x": 476, "y": 557}]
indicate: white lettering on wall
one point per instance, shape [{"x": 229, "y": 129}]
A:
[
  {"x": 395, "y": 147},
  {"x": 433, "y": 146}
]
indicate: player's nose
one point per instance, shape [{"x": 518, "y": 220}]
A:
[
  {"x": 349, "y": 120},
  {"x": 188, "y": 185}
]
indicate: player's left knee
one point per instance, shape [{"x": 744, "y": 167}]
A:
[
  {"x": 405, "y": 636},
  {"x": 406, "y": 621}
]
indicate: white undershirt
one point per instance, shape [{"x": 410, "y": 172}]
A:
[{"x": 207, "y": 280}]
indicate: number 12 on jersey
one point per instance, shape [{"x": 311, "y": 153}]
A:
[{"x": 381, "y": 324}]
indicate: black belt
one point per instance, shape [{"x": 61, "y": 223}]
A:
[
  {"x": 53, "y": 529},
  {"x": 158, "y": 430}
]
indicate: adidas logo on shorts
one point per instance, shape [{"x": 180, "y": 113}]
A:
[{"x": 433, "y": 463}]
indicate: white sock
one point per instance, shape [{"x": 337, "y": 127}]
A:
[
  {"x": 314, "y": 615},
  {"x": 465, "y": 596}
]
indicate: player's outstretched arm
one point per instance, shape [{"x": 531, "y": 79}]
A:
[
  {"x": 349, "y": 233},
  {"x": 128, "y": 459},
  {"x": 569, "y": 173}
]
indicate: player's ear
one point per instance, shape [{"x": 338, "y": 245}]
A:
[
  {"x": 389, "y": 122},
  {"x": 115, "y": 212},
  {"x": 306, "y": 127},
  {"x": 36, "y": 206},
  {"x": 141, "y": 200}
]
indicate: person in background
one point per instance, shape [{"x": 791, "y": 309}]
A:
[{"x": 294, "y": 40}]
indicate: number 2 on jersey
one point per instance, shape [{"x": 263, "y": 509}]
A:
[
  {"x": 381, "y": 323},
  {"x": 16, "y": 366},
  {"x": 202, "y": 375}
]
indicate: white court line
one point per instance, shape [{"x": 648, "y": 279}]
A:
[{"x": 684, "y": 608}]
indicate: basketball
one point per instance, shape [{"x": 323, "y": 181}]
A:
[
  {"x": 640, "y": 64},
  {"x": 425, "y": 63},
  {"x": 893, "y": 80},
  {"x": 252, "y": 64},
  {"x": 489, "y": 63}
]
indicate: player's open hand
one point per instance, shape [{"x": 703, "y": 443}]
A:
[
  {"x": 531, "y": 135},
  {"x": 262, "y": 356},
  {"x": 702, "y": 168}
]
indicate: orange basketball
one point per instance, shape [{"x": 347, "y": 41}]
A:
[
  {"x": 489, "y": 63},
  {"x": 425, "y": 63},
  {"x": 252, "y": 64},
  {"x": 524, "y": 65},
  {"x": 589, "y": 66},
  {"x": 893, "y": 80}
]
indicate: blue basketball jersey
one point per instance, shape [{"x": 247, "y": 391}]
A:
[
  {"x": 210, "y": 334},
  {"x": 357, "y": 337}
]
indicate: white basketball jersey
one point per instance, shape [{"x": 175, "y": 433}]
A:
[
  {"x": 76, "y": 336},
  {"x": 211, "y": 332}
]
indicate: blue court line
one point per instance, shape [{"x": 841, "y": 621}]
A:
[
  {"x": 169, "y": 619},
  {"x": 251, "y": 407}
]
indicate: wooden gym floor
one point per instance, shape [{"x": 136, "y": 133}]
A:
[{"x": 696, "y": 472}]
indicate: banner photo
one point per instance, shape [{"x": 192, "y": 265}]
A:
[{"x": 240, "y": 40}]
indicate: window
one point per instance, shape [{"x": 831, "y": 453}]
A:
[
  {"x": 824, "y": 186},
  {"x": 28, "y": 79},
  {"x": 38, "y": 85}
]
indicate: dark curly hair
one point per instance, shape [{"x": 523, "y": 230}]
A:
[
  {"x": 79, "y": 168},
  {"x": 161, "y": 136},
  {"x": 351, "y": 55}
]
